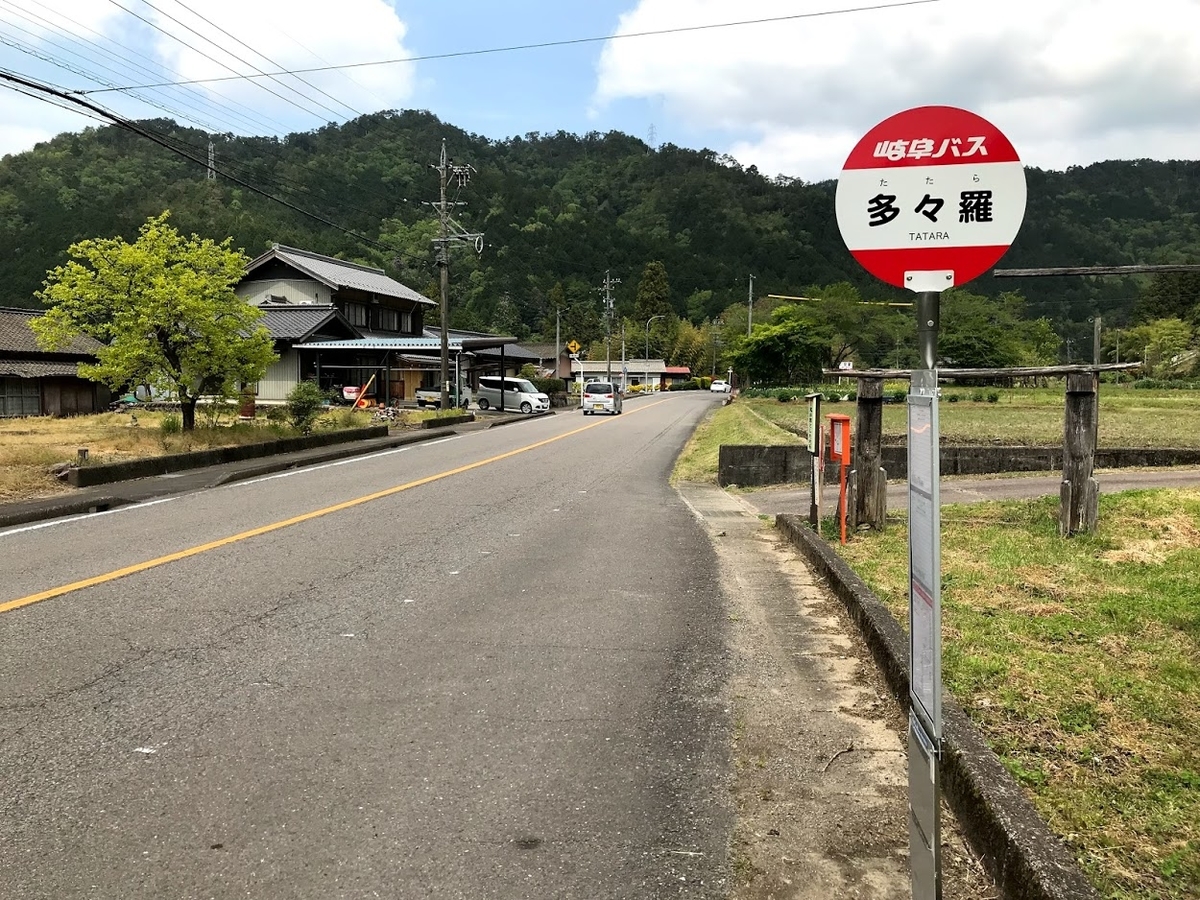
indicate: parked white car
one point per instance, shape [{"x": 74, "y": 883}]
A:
[
  {"x": 720, "y": 387},
  {"x": 516, "y": 394}
]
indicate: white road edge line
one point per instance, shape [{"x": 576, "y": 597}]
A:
[{"x": 95, "y": 515}]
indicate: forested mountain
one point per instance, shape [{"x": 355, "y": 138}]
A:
[{"x": 557, "y": 212}]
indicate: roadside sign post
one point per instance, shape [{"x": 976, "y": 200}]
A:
[
  {"x": 928, "y": 199},
  {"x": 818, "y": 451}
]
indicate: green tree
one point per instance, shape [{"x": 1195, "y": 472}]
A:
[
  {"x": 981, "y": 332},
  {"x": 789, "y": 349},
  {"x": 165, "y": 309},
  {"x": 1174, "y": 295},
  {"x": 653, "y": 297},
  {"x": 1157, "y": 342}
]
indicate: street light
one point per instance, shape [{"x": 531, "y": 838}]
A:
[{"x": 646, "y": 358}]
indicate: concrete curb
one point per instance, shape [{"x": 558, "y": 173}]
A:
[
  {"x": 1019, "y": 851},
  {"x": 25, "y": 511},
  {"x": 107, "y": 473}
]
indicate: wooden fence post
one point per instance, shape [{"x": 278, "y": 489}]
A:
[
  {"x": 1080, "y": 492},
  {"x": 870, "y": 496}
]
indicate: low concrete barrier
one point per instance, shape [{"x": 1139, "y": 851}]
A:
[
  {"x": 1026, "y": 860},
  {"x": 106, "y": 473},
  {"x": 753, "y": 465},
  {"x": 447, "y": 421}
]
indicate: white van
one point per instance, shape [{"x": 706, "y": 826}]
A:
[{"x": 519, "y": 394}]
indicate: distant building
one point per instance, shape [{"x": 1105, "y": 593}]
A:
[{"x": 340, "y": 323}]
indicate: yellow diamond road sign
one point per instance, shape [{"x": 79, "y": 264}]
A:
[{"x": 573, "y": 346}]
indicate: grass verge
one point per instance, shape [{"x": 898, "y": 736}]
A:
[
  {"x": 1079, "y": 660},
  {"x": 734, "y": 423}
]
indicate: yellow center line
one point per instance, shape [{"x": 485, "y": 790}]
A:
[{"x": 276, "y": 526}]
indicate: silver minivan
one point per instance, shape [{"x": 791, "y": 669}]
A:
[
  {"x": 601, "y": 396},
  {"x": 518, "y": 393}
]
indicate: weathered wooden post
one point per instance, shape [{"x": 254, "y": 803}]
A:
[
  {"x": 869, "y": 479},
  {"x": 1080, "y": 492}
]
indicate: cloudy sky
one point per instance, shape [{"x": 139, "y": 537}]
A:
[{"x": 1069, "y": 81}]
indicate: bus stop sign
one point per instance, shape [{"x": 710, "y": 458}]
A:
[{"x": 931, "y": 198}]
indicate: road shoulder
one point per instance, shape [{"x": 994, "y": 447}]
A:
[{"x": 820, "y": 766}]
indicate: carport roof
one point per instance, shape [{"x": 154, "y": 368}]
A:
[{"x": 456, "y": 343}]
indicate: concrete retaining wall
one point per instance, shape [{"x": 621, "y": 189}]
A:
[
  {"x": 106, "y": 473},
  {"x": 1018, "y": 850},
  {"x": 755, "y": 466}
]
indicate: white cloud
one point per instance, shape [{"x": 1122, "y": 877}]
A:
[
  {"x": 291, "y": 33},
  {"x": 1068, "y": 82}
]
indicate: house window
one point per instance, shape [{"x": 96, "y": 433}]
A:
[
  {"x": 406, "y": 325},
  {"x": 19, "y": 397},
  {"x": 389, "y": 320},
  {"x": 358, "y": 315}
]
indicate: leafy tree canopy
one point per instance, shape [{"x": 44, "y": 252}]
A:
[{"x": 165, "y": 309}]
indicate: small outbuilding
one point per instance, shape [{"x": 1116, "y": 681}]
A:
[{"x": 34, "y": 382}]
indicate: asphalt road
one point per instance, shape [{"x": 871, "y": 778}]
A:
[{"x": 488, "y": 666}]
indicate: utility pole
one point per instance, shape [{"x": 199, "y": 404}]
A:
[
  {"x": 212, "y": 162},
  {"x": 1096, "y": 342},
  {"x": 1070, "y": 342},
  {"x": 450, "y": 232},
  {"x": 607, "y": 286},
  {"x": 750, "y": 308},
  {"x": 557, "y": 338}
]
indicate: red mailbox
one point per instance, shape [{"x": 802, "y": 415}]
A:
[
  {"x": 839, "y": 452},
  {"x": 839, "y": 438}
]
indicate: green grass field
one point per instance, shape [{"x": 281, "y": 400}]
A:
[
  {"x": 1034, "y": 416},
  {"x": 1079, "y": 660}
]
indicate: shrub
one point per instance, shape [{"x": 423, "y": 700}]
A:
[
  {"x": 171, "y": 423},
  {"x": 784, "y": 396},
  {"x": 548, "y": 385},
  {"x": 899, "y": 396},
  {"x": 993, "y": 397},
  {"x": 976, "y": 396},
  {"x": 952, "y": 398},
  {"x": 304, "y": 404},
  {"x": 277, "y": 415}
]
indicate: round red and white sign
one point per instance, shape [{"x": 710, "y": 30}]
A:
[{"x": 931, "y": 198}]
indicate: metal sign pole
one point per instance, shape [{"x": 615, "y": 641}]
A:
[
  {"x": 924, "y": 611},
  {"x": 815, "y": 450}
]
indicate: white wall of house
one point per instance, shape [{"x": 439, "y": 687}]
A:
[
  {"x": 281, "y": 377},
  {"x": 298, "y": 291}
]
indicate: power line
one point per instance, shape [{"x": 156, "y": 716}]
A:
[
  {"x": 130, "y": 125},
  {"x": 285, "y": 86},
  {"x": 683, "y": 29},
  {"x": 197, "y": 50},
  {"x": 268, "y": 59},
  {"x": 127, "y": 57}
]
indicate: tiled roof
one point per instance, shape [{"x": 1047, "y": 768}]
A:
[
  {"x": 16, "y": 336},
  {"x": 544, "y": 351},
  {"x": 24, "y": 368},
  {"x": 337, "y": 273},
  {"x": 297, "y": 322}
]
